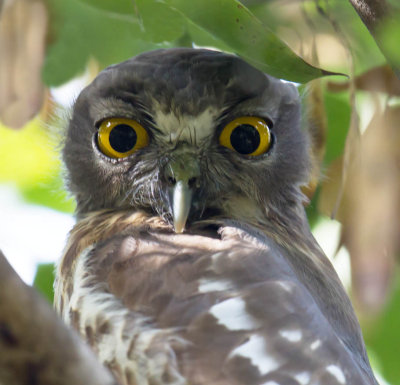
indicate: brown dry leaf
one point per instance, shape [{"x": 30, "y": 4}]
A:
[
  {"x": 370, "y": 208},
  {"x": 316, "y": 123},
  {"x": 23, "y": 25},
  {"x": 378, "y": 79},
  {"x": 49, "y": 107},
  {"x": 330, "y": 187},
  {"x": 314, "y": 115}
]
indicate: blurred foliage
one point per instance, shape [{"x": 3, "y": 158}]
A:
[
  {"x": 326, "y": 34},
  {"x": 383, "y": 335},
  {"x": 83, "y": 29},
  {"x": 30, "y": 159},
  {"x": 338, "y": 113},
  {"x": 162, "y": 23},
  {"x": 44, "y": 280}
]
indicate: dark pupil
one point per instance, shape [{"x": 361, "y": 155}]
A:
[
  {"x": 245, "y": 139},
  {"x": 122, "y": 138}
]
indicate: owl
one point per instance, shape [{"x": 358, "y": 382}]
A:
[{"x": 191, "y": 261}]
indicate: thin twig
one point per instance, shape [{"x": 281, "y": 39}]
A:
[
  {"x": 375, "y": 14},
  {"x": 371, "y": 12}
]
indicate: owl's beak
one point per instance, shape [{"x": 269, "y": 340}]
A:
[
  {"x": 182, "y": 174},
  {"x": 181, "y": 203}
]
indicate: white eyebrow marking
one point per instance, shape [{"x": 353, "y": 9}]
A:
[
  {"x": 315, "y": 345},
  {"x": 233, "y": 315},
  {"x": 291, "y": 335},
  {"x": 257, "y": 351},
  {"x": 210, "y": 285},
  {"x": 337, "y": 373},
  {"x": 186, "y": 128}
]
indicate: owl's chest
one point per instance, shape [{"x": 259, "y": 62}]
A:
[
  {"x": 185, "y": 296},
  {"x": 175, "y": 278},
  {"x": 195, "y": 309}
]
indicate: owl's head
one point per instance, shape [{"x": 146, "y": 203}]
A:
[{"x": 186, "y": 134}]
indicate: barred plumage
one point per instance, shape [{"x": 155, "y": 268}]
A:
[{"x": 192, "y": 261}]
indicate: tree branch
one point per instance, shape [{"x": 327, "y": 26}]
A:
[
  {"x": 375, "y": 14},
  {"x": 371, "y": 12},
  {"x": 36, "y": 347}
]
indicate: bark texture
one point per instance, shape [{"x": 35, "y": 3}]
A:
[
  {"x": 371, "y": 12},
  {"x": 36, "y": 347},
  {"x": 375, "y": 14}
]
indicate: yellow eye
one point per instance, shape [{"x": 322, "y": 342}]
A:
[
  {"x": 247, "y": 135},
  {"x": 120, "y": 137}
]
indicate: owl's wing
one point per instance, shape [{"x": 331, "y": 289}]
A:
[{"x": 162, "y": 308}]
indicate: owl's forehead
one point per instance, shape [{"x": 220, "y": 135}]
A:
[
  {"x": 187, "y": 80},
  {"x": 191, "y": 128}
]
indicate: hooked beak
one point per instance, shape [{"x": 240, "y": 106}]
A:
[
  {"x": 181, "y": 203},
  {"x": 182, "y": 174}
]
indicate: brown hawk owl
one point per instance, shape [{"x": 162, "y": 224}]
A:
[{"x": 192, "y": 261}]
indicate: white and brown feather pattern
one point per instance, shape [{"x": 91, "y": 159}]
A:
[
  {"x": 128, "y": 342},
  {"x": 217, "y": 308},
  {"x": 244, "y": 295}
]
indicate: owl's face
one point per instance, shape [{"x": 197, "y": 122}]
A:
[{"x": 186, "y": 134}]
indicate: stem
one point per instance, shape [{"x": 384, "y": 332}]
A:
[{"x": 374, "y": 14}]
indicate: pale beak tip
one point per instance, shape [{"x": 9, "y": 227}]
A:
[
  {"x": 181, "y": 206},
  {"x": 179, "y": 230},
  {"x": 179, "y": 225}
]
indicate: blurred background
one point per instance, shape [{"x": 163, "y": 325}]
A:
[{"x": 51, "y": 49}]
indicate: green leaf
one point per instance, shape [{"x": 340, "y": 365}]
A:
[
  {"x": 338, "y": 113},
  {"x": 80, "y": 31},
  {"x": 288, "y": 18},
  {"x": 124, "y": 7},
  {"x": 203, "y": 38},
  {"x": 313, "y": 214},
  {"x": 67, "y": 44},
  {"x": 388, "y": 38},
  {"x": 44, "y": 280},
  {"x": 161, "y": 23},
  {"x": 383, "y": 337},
  {"x": 364, "y": 50},
  {"x": 233, "y": 24}
]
